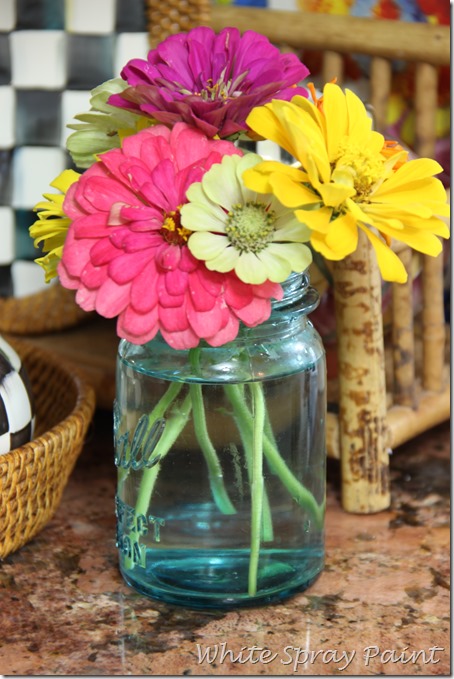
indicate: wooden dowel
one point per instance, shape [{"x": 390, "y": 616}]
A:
[
  {"x": 405, "y": 423},
  {"x": 332, "y": 436},
  {"x": 433, "y": 323},
  {"x": 426, "y": 84},
  {"x": 403, "y": 339},
  {"x": 362, "y": 391},
  {"x": 410, "y": 41},
  {"x": 380, "y": 89},
  {"x": 333, "y": 67}
]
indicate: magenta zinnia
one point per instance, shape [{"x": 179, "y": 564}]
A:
[
  {"x": 210, "y": 81},
  {"x": 126, "y": 252}
]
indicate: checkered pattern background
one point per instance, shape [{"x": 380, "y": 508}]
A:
[{"x": 52, "y": 53}]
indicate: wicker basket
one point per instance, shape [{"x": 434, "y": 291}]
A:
[
  {"x": 33, "y": 477},
  {"x": 168, "y": 18},
  {"x": 49, "y": 310}
]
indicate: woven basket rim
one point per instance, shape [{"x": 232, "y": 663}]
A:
[
  {"x": 84, "y": 404},
  {"x": 34, "y": 475},
  {"x": 50, "y": 309}
]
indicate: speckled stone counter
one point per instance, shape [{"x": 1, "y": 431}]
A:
[{"x": 381, "y": 605}]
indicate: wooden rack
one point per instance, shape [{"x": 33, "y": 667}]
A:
[{"x": 378, "y": 409}]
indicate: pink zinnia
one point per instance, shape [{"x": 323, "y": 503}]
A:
[
  {"x": 210, "y": 81},
  {"x": 126, "y": 252}
]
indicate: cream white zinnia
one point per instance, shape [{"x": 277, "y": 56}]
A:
[{"x": 235, "y": 228}]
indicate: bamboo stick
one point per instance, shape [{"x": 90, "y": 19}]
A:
[
  {"x": 332, "y": 436},
  {"x": 403, "y": 423},
  {"x": 333, "y": 67},
  {"x": 347, "y": 34},
  {"x": 433, "y": 409},
  {"x": 433, "y": 323},
  {"x": 403, "y": 341},
  {"x": 380, "y": 88},
  {"x": 426, "y": 101},
  {"x": 362, "y": 389}
]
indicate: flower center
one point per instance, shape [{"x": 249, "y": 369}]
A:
[
  {"x": 250, "y": 227},
  {"x": 367, "y": 167},
  {"x": 224, "y": 88},
  {"x": 172, "y": 230}
]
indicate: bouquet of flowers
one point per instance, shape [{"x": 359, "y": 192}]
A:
[{"x": 174, "y": 230}]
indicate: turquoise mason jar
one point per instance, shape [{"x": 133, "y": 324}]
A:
[{"x": 221, "y": 462}]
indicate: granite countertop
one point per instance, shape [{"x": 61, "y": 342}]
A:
[{"x": 381, "y": 606}]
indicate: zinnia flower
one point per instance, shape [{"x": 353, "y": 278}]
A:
[
  {"x": 103, "y": 127},
  {"x": 349, "y": 179},
  {"x": 237, "y": 230},
  {"x": 126, "y": 251},
  {"x": 210, "y": 81},
  {"x": 49, "y": 231}
]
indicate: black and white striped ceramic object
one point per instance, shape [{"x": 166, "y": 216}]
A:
[{"x": 17, "y": 412}]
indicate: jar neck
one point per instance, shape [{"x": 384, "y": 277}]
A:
[
  {"x": 297, "y": 292},
  {"x": 299, "y": 299}
]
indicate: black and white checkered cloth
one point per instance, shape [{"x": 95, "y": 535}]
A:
[{"x": 52, "y": 53}]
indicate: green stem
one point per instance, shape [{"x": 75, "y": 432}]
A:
[
  {"x": 243, "y": 420},
  {"x": 165, "y": 401},
  {"x": 215, "y": 473},
  {"x": 174, "y": 426},
  {"x": 269, "y": 433},
  {"x": 256, "y": 485},
  {"x": 300, "y": 493}
]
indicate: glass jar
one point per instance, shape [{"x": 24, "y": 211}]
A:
[{"x": 221, "y": 462}]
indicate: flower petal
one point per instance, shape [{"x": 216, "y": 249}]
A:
[
  {"x": 297, "y": 255},
  {"x": 391, "y": 267},
  {"x": 207, "y": 246},
  {"x": 292, "y": 230},
  {"x": 137, "y": 328},
  {"x": 289, "y": 192},
  {"x": 202, "y": 216},
  {"x": 316, "y": 220},
  {"x": 225, "y": 261},
  {"x": 221, "y": 183},
  {"x": 334, "y": 195},
  {"x": 205, "y": 323},
  {"x": 250, "y": 268},
  {"x": 343, "y": 234}
]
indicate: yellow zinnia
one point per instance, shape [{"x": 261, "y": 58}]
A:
[
  {"x": 349, "y": 178},
  {"x": 52, "y": 226}
]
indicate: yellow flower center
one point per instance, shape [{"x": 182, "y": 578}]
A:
[
  {"x": 172, "y": 230},
  {"x": 366, "y": 167},
  {"x": 250, "y": 227}
]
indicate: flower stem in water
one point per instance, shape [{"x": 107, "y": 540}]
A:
[
  {"x": 243, "y": 419},
  {"x": 257, "y": 484},
  {"x": 215, "y": 473},
  {"x": 300, "y": 493}
]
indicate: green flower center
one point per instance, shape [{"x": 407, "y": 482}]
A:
[
  {"x": 250, "y": 227},
  {"x": 367, "y": 167}
]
